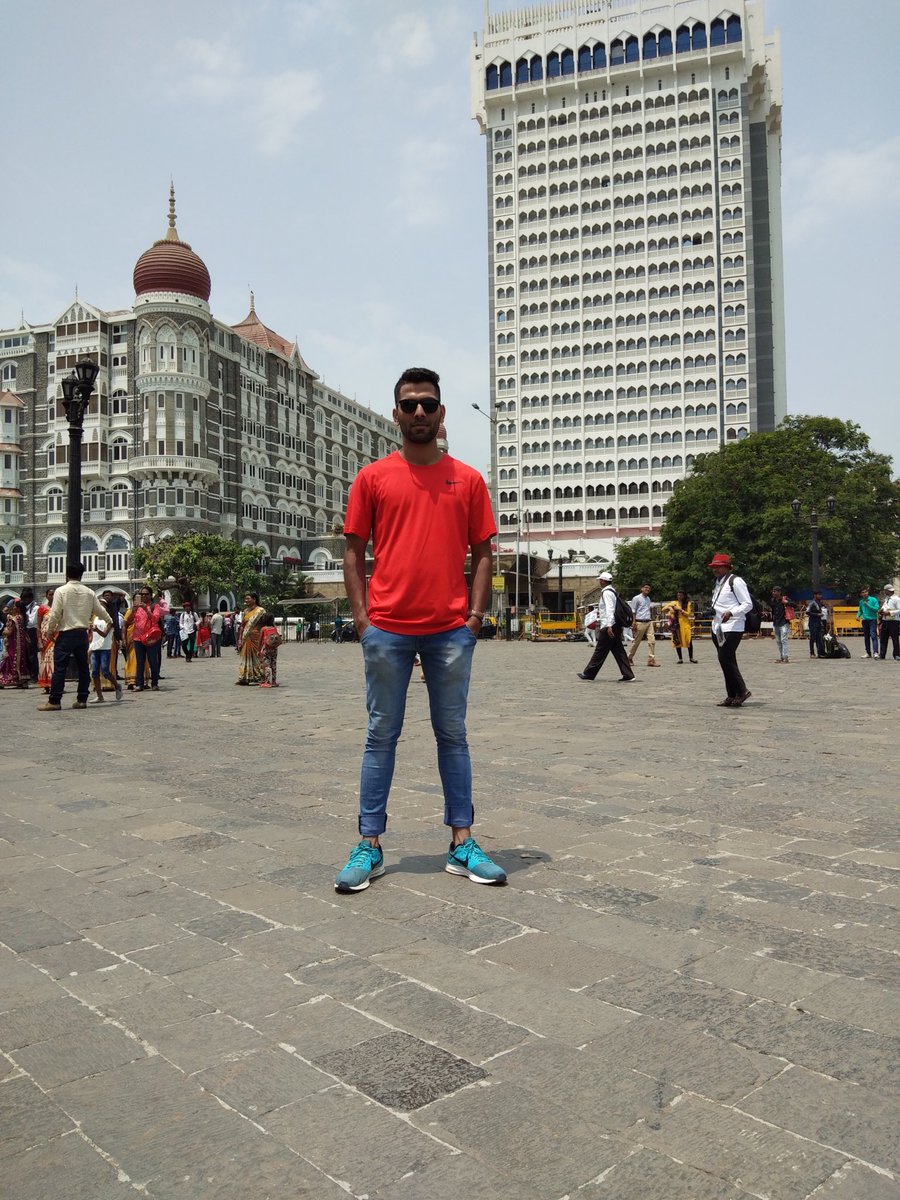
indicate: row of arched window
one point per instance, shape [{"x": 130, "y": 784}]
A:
[
  {"x": 725, "y": 97},
  {"x": 603, "y": 516},
  {"x": 691, "y": 412},
  {"x": 623, "y": 50}
]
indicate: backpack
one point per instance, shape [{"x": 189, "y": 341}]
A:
[
  {"x": 753, "y": 619},
  {"x": 622, "y": 614}
]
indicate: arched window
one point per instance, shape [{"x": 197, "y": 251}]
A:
[
  {"x": 682, "y": 40},
  {"x": 665, "y": 43},
  {"x": 717, "y": 32},
  {"x": 650, "y": 49},
  {"x": 553, "y": 66},
  {"x": 599, "y": 56},
  {"x": 568, "y": 62},
  {"x": 118, "y": 449},
  {"x": 522, "y": 71},
  {"x": 8, "y": 375},
  {"x": 698, "y": 37},
  {"x": 585, "y": 60},
  {"x": 733, "y": 29},
  {"x": 491, "y": 78},
  {"x": 537, "y": 69},
  {"x": 505, "y": 75}
]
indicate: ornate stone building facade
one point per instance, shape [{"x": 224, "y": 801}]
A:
[{"x": 194, "y": 425}]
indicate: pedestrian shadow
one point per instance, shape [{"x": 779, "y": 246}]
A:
[{"x": 512, "y": 861}]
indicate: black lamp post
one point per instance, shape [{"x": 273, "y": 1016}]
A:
[
  {"x": 77, "y": 389},
  {"x": 495, "y": 481},
  {"x": 796, "y": 505}
]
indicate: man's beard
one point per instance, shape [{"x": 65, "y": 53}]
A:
[{"x": 421, "y": 437}]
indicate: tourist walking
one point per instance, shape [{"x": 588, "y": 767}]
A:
[
  {"x": 782, "y": 615},
  {"x": 731, "y": 603},
  {"x": 643, "y": 626},
  {"x": 71, "y": 613},
  {"x": 817, "y": 618},
  {"x": 890, "y": 622},
  {"x": 250, "y": 670},
  {"x": 188, "y": 623},
  {"x": 30, "y": 617},
  {"x": 423, "y": 511},
  {"x": 867, "y": 613},
  {"x": 270, "y": 640},
  {"x": 102, "y": 633},
  {"x": 15, "y": 670},
  {"x": 172, "y": 630},
  {"x": 680, "y": 612},
  {"x": 46, "y": 640},
  {"x": 146, "y": 634},
  {"x": 609, "y": 636}
]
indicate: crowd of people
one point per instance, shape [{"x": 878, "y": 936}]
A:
[
  {"x": 614, "y": 627},
  {"x": 112, "y": 646}
]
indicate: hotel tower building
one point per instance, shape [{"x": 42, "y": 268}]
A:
[{"x": 635, "y": 258}]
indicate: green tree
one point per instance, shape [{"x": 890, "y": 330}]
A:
[
  {"x": 645, "y": 560},
  {"x": 739, "y": 501},
  {"x": 280, "y": 583},
  {"x": 198, "y": 562}
]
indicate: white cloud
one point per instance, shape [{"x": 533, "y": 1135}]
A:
[
  {"x": 408, "y": 41},
  {"x": 281, "y": 105},
  {"x": 270, "y": 108},
  {"x": 421, "y": 178},
  {"x": 821, "y": 190}
]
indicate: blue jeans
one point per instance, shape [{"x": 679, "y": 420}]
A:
[
  {"x": 871, "y": 636},
  {"x": 447, "y": 663},
  {"x": 100, "y": 664},
  {"x": 781, "y": 639},
  {"x": 143, "y": 656}
]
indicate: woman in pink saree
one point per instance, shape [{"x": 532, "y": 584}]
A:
[
  {"x": 46, "y": 642},
  {"x": 14, "y": 669}
]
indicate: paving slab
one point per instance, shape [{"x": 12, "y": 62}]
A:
[{"x": 688, "y": 990}]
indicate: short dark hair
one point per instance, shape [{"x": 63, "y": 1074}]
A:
[
  {"x": 74, "y": 570},
  {"x": 418, "y": 375},
  {"x": 26, "y": 594}
]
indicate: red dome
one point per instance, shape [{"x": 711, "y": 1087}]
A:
[{"x": 170, "y": 265}]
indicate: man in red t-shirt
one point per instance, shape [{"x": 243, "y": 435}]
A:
[{"x": 423, "y": 511}]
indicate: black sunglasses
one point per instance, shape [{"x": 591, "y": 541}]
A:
[{"x": 410, "y": 406}]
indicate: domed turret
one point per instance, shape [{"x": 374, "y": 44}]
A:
[{"x": 170, "y": 265}]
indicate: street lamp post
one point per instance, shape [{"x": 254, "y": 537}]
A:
[
  {"x": 496, "y": 486},
  {"x": 77, "y": 389},
  {"x": 796, "y": 505}
]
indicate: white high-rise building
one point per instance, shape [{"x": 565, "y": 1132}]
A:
[{"x": 636, "y": 294}]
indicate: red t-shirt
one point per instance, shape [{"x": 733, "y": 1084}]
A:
[{"x": 422, "y": 521}]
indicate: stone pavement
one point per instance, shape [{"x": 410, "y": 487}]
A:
[{"x": 688, "y": 991}]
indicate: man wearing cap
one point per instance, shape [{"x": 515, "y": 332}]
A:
[
  {"x": 731, "y": 601},
  {"x": 609, "y": 636},
  {"x": 890, "y": 621}
]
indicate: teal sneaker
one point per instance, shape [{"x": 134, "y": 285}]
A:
[
  {"x": 469, "y": 859},
  {"x": 366, "y": 862}
]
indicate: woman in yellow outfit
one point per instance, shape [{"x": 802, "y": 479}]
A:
[{"x": 680, "y": 612}]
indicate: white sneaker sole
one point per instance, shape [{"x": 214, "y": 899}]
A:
[
  {"x": 375, "y": 873},
  {"x": 451, "y": 870}
]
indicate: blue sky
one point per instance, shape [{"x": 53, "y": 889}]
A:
[{"x": 323, "y": 154}]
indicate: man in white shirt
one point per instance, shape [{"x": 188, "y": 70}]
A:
[
  {"x": 643, "y": 625},
  {"x": 216, "y": 625},
  {"x": 890, "y": 621},
  {"x": 731, "y": 602},
  {"x": 609, "y": 636},
  {"x": 73, "y": 607}
]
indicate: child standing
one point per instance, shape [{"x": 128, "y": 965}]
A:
[{"x": 270, "y": 640}]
